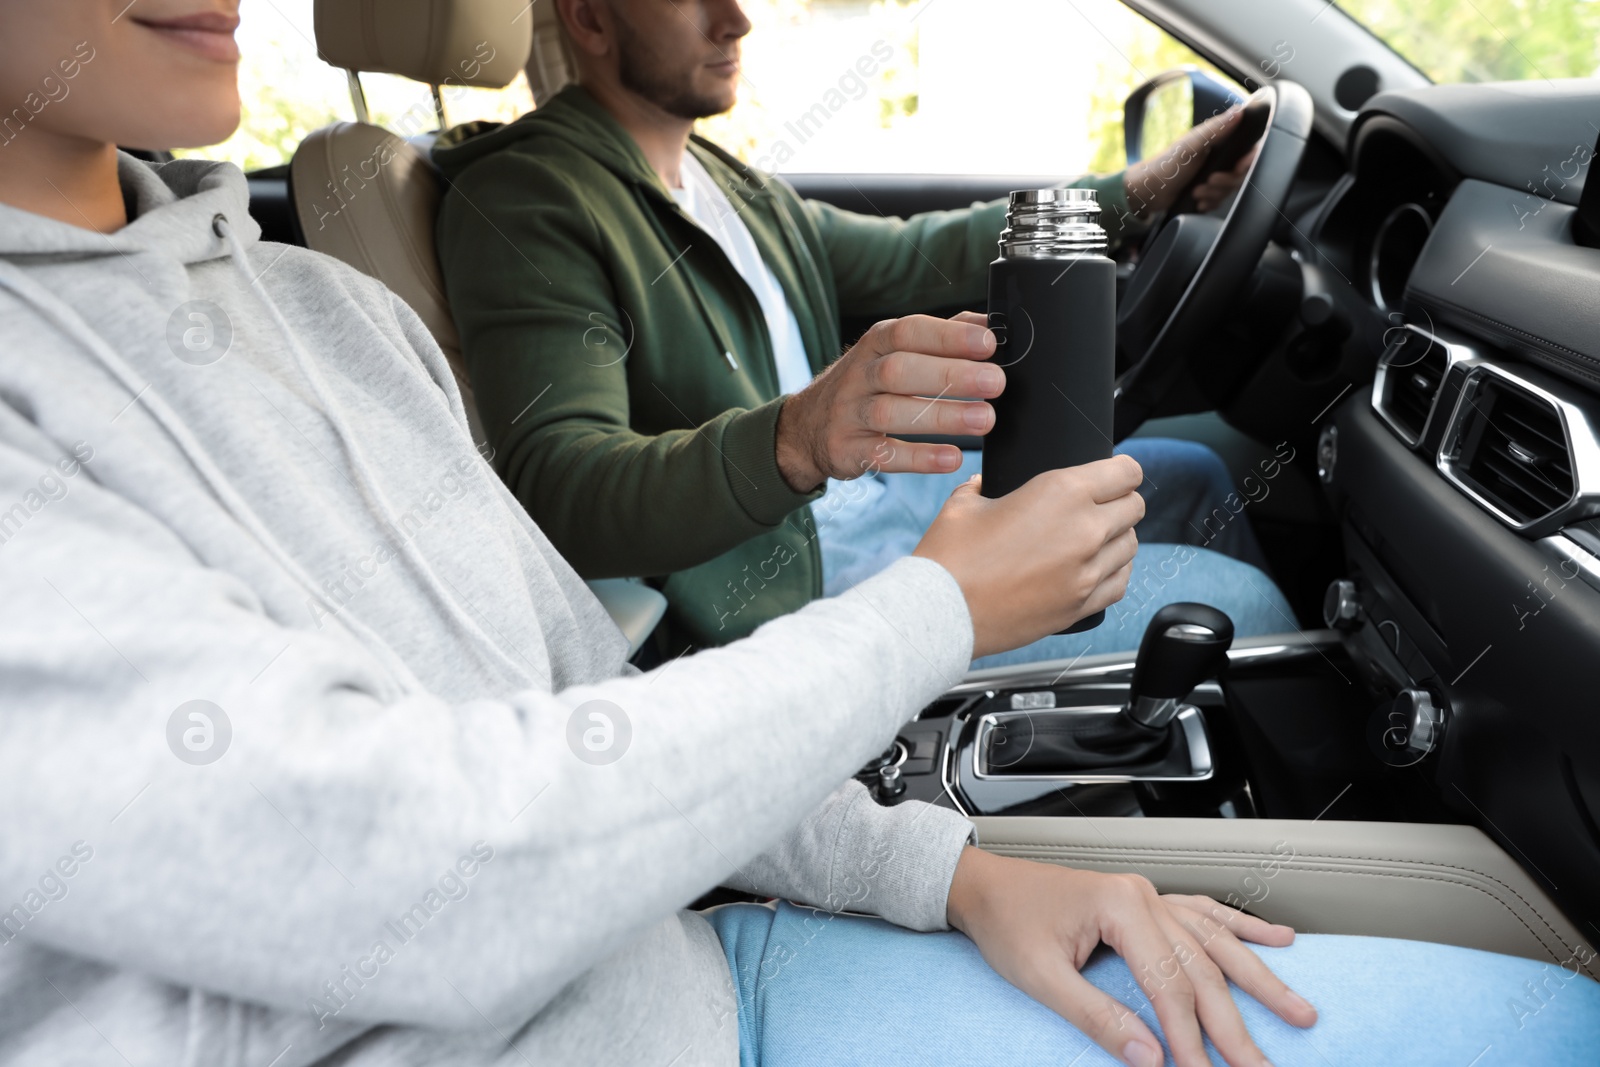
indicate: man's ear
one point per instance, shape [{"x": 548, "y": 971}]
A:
[{"x": 588, "y": 25}]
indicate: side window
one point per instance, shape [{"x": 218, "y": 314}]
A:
[
  {"x": 941, "y": 86},
  {"x": 286, "y": 92}
]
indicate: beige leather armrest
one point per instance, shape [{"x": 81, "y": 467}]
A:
[{"x": 1446, "y": 884}]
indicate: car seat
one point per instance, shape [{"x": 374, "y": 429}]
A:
[{"x": 370, "y": 196}]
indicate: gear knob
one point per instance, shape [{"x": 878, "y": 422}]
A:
[{"x": 1183, "y": 646}]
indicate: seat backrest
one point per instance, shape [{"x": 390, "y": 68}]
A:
[
  {"x": 550, "y": 63},
  {"x": 369, "y": 197}
]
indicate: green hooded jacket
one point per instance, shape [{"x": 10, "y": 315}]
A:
[{"x": 623, "y": 369}]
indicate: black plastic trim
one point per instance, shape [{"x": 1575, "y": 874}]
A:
[{"x": 1500, "y": 267}]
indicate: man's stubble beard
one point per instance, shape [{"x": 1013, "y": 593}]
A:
[{"x": 643, "y": 73}]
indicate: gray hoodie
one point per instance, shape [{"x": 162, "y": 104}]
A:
[{"x": 311, "y": 746}]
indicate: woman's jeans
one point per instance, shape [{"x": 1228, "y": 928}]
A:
[
  {"x": 818, "y": 989},
  {"x": 1195, "y": 544}
]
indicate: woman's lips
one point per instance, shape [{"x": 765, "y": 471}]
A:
[{"x": 208, "y": 34}]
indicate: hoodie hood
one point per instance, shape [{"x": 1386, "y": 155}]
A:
[
  {"x": 575, "y": 118},
  {"x": 172, "y": 212},
  {"x": 571, "y": 116},
  {"x": 201, "y": 342}
]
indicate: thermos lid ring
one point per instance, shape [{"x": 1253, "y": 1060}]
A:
[{"x": 1052, "y": 224}]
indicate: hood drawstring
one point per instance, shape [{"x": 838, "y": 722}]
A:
[
  {"x": 69, "y": 322},
  {"x": 366, "y": 482}
]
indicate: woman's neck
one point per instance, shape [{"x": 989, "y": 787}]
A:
[{"x": 70, "y": 179}]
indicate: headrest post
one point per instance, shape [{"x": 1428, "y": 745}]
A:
[
  {"x": 438, "y": 106},
  {"x": 358, "y": 97}
]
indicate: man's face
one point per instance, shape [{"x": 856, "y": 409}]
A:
[{"x": 681, "y": 55}]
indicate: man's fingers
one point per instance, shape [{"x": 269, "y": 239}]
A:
[
  {"x": 1217, "y": 127},
  {"x": 952, "y": 338},
  {"x": 977, "y": 318},
  {"x": 889, "y": 414},
  {"x": 890, "y": 456},
  {"x": 920, "y": 374}
]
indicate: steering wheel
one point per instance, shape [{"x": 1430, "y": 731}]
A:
[{"x": 1194, "y": 264}]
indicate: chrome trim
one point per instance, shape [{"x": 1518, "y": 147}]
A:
[
  {"x": 1454, "y": 354},
  {"x": 1265, "y": 650},
  {"x": 1583, "y": 448},
  {"x": 947, "y": 777},
  {"x": 1118, "y": 666},
  {"x": 1154, "y": 712},
  {"x": 1377, "y": 247},
  {"x": 1194, "y": 734},
  {"x": 1564, "y": 547}
]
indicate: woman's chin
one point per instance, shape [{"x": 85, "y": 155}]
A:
[{"x": 197, "y": 131}]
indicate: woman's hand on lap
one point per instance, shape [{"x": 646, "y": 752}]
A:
[{"x": 1037, "y": 924}]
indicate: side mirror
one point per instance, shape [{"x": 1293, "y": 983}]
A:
[{"x": 1161, "y": 110}]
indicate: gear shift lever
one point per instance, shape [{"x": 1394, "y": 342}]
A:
[{"x": 1182, "y": 646}]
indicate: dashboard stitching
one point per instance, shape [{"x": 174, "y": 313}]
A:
[
  {"x": 1560, "y": 365},
  {"x": 1381, "y": 874},
  {"x": 1451, "y": 305}
]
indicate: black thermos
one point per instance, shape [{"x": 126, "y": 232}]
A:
[{"x": 1052, "y": 307}]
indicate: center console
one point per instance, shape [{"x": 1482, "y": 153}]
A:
[{"x": 1175, "y": 730}]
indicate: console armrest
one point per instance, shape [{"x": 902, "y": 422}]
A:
[{"x": 1446, "y": 884}]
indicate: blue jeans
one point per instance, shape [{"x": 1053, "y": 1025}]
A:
[
  {"x": 818, "y": 989},
  {"x": 1192, "y": 545}
]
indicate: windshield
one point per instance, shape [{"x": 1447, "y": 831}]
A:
[{"x": 1488, "y": 40}]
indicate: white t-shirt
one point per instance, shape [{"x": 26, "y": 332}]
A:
[
  {"x": 709, "y": 206},
  {"x": 849, "y": 513}
]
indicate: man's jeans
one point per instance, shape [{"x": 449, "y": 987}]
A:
[{"x": 1189, "y": 502}]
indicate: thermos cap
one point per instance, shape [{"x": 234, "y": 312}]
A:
[{"x": 1052, "y": 224}]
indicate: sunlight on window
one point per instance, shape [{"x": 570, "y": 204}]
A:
[
  {"x": 1488, "y": 40},
  {"x": 845, "y": 86},
  {"x": 287, "y": 92},
  {"x": 940, "y": 86}
]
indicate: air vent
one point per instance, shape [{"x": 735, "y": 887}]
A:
[
  {"x": 1510, "y": 450},
  {"x": 1412, "y": 370}
]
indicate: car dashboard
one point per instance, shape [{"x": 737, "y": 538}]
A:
[{"x": 1466, "y": 480}]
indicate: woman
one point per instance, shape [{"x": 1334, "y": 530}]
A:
[{"x": 314, "y": 751}]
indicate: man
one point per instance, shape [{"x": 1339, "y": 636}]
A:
[{"x": 643, "y": 317}]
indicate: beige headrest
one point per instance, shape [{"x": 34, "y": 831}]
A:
[
  {"x": 550, "y": 66},
  {"x": 441, "y": 42}
]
